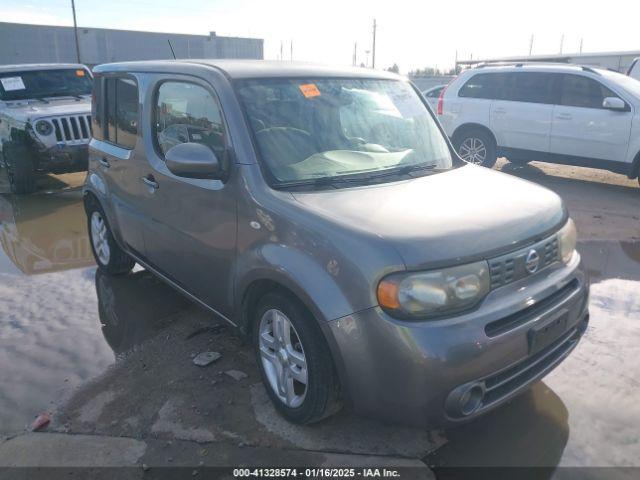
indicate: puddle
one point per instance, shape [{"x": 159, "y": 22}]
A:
[{"x": 57, "y": 329}]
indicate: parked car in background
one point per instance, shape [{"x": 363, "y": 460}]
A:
[
  {"x": 634, "y": 69},
  {"x": 45, "y": 122},
  {"x": 432, "y": 94},
  {"x": 547, "y": 112},
  {"x": 352, "y": 258}
]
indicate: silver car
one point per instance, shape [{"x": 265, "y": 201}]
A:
[{"x": 324, "y": 214}]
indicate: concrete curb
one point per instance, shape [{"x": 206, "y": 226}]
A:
[
  {"x": 78, "y": 451},
  {"x": 61, "y": 450}
]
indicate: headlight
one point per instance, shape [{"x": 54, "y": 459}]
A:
[
  {"x": 44, "y": 128},
  {"x": 567, "y": 241},
  {"x": 434, "y": 293}
]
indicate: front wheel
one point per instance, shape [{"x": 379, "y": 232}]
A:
[
  {"x": 294, "y": 360},
  {"x": 477, "y": 147},
  {"x": 107, "y": 253}
]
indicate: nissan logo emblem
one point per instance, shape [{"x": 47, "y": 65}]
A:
[{"x": 532, "y": 261}]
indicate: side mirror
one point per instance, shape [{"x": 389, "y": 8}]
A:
[
  {"x": 614, "y": 103},
  {"x": 193, "y": 160}
]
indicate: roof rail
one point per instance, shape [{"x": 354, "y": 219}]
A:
[{"x": 522, "y": 64}]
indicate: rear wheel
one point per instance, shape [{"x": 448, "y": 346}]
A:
[
  {"x": 294, "y": 360},
  {"x": 107, "y": 253},
  {"x": 476, "y": 146},
  {"x": 20, "y": 168}
]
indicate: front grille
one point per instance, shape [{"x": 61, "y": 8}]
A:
[
  {"x": 72, "y": 129},
  {"x": 514, "y": 320},
  {"x": 511, "y": 267},
  {"x": 504, "y": 383}
]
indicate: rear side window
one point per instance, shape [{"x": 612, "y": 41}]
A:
[
  {"x": 185, "y": 113},
  {"x": 122, "y": 111},
  {"x": 97, "y": 109},
  {"x": 483, "y": 85},
  {"x": 530, "y": 87},
  {"x": 579, "y": 91}
]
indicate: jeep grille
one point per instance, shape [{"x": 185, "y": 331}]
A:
[{"x": 73, "y": 128}]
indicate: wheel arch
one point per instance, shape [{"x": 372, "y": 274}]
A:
[
  {"x": 634, "y": 171},
  {"x": 465, "y": 127}
]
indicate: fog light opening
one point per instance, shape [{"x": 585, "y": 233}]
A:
[{"x": 471, "y": 400}]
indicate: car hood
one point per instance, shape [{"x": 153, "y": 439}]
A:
[
  {"x": 25, "y": 111},
  {"x": 461, "y": 215}
]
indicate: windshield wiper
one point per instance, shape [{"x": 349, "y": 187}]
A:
[
  {"x": 359, "y": 179},
  {"x": 405, "y": 170}
]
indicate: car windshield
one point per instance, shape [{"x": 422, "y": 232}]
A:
[
  {"x": 337, "y": 129},
  {"x": 44, "y": 83}
]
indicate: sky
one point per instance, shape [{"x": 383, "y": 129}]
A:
[{"x": 411, "y": 34}]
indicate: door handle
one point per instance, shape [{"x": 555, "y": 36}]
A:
[
  {"x": 564, "y": 116},
  {"x": 104, "y": 162},
  {"x": 499, "y": 110},
  {"x": 150, "y": 182}
]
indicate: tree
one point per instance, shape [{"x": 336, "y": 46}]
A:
[{"x": 394, "y": 68}]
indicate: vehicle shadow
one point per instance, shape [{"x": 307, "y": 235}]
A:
[
  {"x": 530, "y": 431},
  {"x": 550, "y": 180}
]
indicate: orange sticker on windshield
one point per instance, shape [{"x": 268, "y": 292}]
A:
[
  {"x": 80, "y": 73},
  {"x": 309, "y": 90}
]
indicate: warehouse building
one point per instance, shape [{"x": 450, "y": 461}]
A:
[
  {"x": 618, "y": 61},
  {"x": 23, "y": 43}
]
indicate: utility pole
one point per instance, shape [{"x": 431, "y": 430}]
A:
[
  {"x": 355, "y": 54},
  {"x": 531, "y": 45},
  {"x": 581, "y": 44},
  {"x": 291, "y": 53},
  {"x": 561, "y": 43},
  {"x": 373, "y": 50},
  {"x": 281, "y": 57},
  {"x": 75, "y": 30},
  {"x": 366, "y": 58}
]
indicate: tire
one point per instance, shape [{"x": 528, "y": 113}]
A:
[
  {"x": 20, "y": 169},
  {"x": 107, "y": 253},
  {"x": 319, "y": 398},
  {"x": 476, "y": 146}
]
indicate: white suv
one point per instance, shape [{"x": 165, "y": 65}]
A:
[{"x": 554, "y": 113}]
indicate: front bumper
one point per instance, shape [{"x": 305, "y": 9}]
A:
[
  {"x": 63, "y": 158},
  {"x": 417, "y": 372}
]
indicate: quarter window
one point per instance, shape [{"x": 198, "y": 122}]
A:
[
  {"x": 579, "y": 91},
  {"x": 122, "y": 112},
  {"x": 186, "y": 112}
]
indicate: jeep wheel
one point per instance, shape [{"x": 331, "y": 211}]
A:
[
  {"x": 107, "y": 253},
  {"x": 294, "y": 360},
  {"x": 476, "y": 146},
  {"x": 19, "y": 163}
]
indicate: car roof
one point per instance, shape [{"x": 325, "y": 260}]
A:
[
  {"x": 25, "y": 67},
  {"x": 245, "y": 69}
]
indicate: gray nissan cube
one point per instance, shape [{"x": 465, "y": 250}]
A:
[{"x": 324, "y": 213}]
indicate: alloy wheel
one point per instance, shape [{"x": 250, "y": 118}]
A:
[
  {"x": 283, "y": 358},
  {"x": 473, "y": 150},
  {"x": 99, "y": 238}
]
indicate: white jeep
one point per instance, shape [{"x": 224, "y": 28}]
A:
[{"x": 45, "y": 121}]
